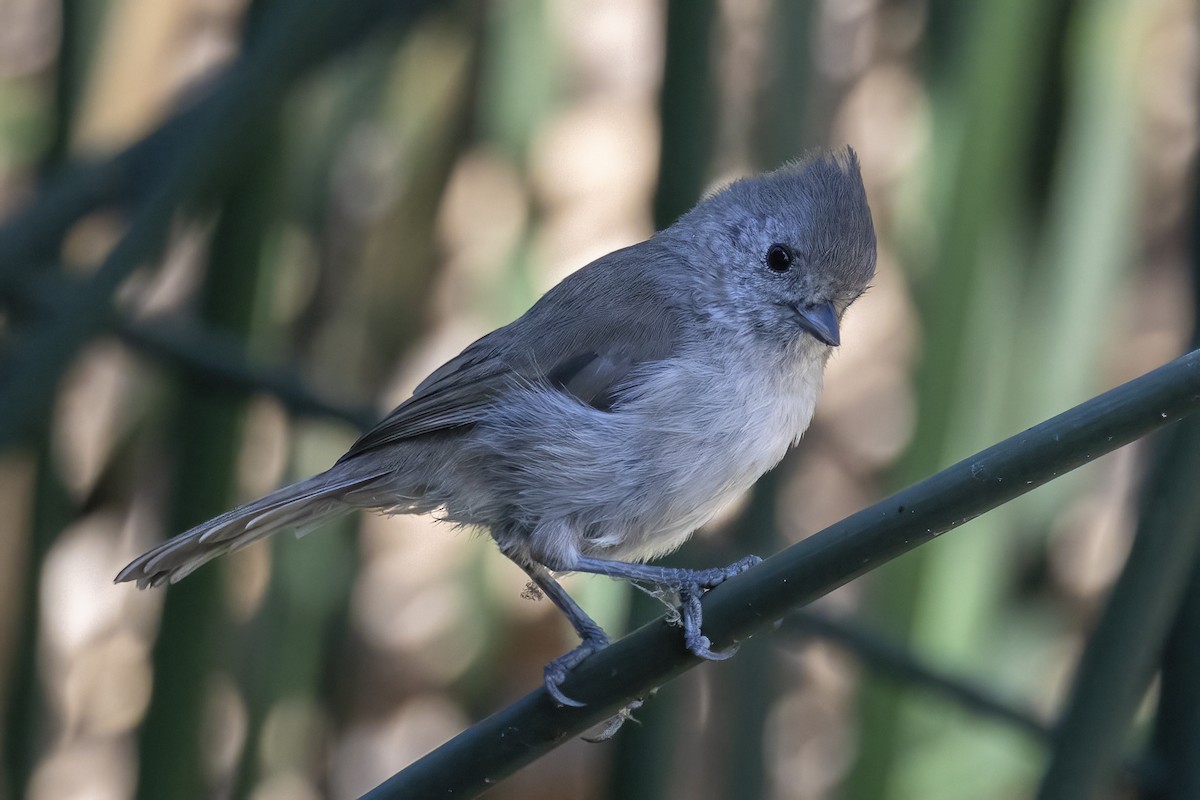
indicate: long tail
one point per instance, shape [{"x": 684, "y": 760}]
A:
[{"x": 301, "y": 506}]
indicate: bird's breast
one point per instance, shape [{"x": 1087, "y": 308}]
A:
[{"x": 718, "y": 424}]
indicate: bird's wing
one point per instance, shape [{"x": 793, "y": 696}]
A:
[{"x": 584, "y": 337}]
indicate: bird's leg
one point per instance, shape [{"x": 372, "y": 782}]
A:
[
  {"x": 690, "y": 584},
  {"x": 593, "y": 636}
]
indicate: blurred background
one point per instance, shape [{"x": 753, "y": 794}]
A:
[{"x": 238, "y": 232}]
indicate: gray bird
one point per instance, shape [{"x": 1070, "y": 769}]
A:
[{"x": 621, "y": 412}]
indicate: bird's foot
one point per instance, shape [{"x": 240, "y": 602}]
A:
[
  {"x": 691, "y": 614},
  {"x": 594, "y": 640},
  {"x": 688, "y": 584}
]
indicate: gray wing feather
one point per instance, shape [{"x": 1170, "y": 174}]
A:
[
  {"x": 574, "y": 338},
  {"x": 595, "y": 377}
]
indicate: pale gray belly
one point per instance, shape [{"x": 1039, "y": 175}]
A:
[{"x": 553, "y": 478}]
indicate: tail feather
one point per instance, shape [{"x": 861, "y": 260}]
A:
[{"x": 302, "y": 506}]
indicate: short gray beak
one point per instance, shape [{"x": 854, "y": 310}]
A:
[{"x": 820, "y": 319}]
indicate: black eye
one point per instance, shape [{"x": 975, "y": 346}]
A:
[{"x": 779, "y": 258}]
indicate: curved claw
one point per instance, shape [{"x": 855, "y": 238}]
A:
[
  {"x": 702, "y": 647},
  {"x": 691, "y": 615},
  {"x": 553, "y": 677},
  {"x": 698, "y": 643},
  {"x": 556, "y": 671}
]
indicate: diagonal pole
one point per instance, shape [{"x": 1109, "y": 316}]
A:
[{"x": 498, "y": 746}]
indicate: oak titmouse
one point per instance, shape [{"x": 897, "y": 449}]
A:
[{"x": 621, "y": 412}]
